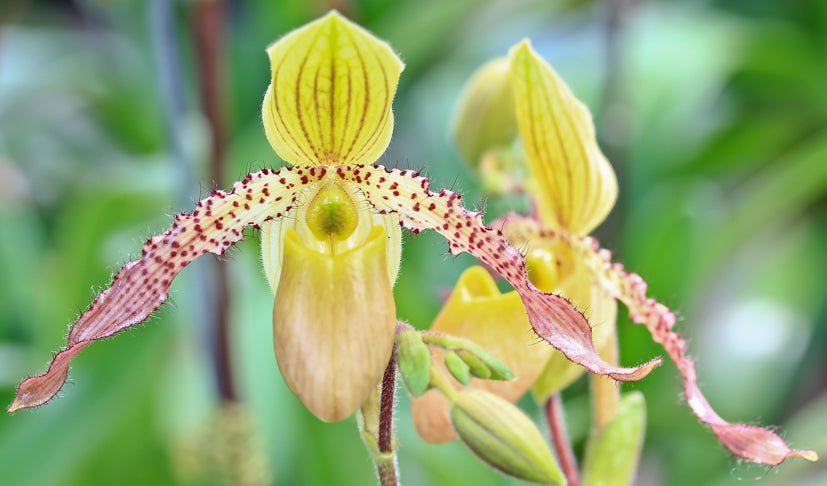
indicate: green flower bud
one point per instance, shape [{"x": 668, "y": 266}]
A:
[
  {"x": 500, "y": 434},
  {"x": 414, "y": 360},
  {"x": 499, "y": 371},
  {"x": 458, "y": 368},
  {"x": 477, "y": 366},
  {"x": 485, "y": 117},
  {"x": 612, "y": 454}
]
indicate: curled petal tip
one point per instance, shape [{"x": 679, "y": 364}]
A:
[
  {"x": 15, "y": 405},
  {"x": 758, "y": 444},
  {"x": 808, "y": 454},
  {"x": 639, "y": 373}
]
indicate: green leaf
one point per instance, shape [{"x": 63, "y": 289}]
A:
[{"x": 612, "y": 454}]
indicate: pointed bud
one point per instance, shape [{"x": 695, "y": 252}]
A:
[
  {"x": 485, "y": 117},
  {"x": 458, "y": 368},
  {"x": 612, "y": 454},
  {"x": 475, "y": 364},
  {"x": 500, "y": 434},
  {"x": 414, "y": 360}
]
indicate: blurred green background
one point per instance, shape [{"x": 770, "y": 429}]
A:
[{"x": 714, "y": 114}]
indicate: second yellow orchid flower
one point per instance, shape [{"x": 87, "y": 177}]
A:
[{"x": 574, "y": 189}]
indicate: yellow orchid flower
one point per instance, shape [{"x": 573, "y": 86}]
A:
[
  {"x": 330, "y": 232},
  {"x": 574, "y": 188}
]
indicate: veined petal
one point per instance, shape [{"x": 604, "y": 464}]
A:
[
  {"x": 575, "y": 185},
  {"x": 329, "y": 102},
  {"x": 498, "y": 323},
  {"x": 142, "y": 286},
  {"x": 334, "y": 322},
  {"x": 747, "y": 441},
  {"x": 553, "y": 317}
]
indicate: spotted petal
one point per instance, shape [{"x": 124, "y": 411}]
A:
[
  {"x": 477, "y": 310},
  {"x": 329, "y": 102},
  {"x": 553, "y": 317},
  {"x": 575, "y": 185},
  {"x": 142, "y": 286},
  {"x": 747, "y": 441}
]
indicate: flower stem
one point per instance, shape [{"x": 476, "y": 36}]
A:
[
  {"x": 386, "y": 470},
  {"x": 375, "y": 421},
  {"x": 439, "y": 382},
  {"x": 209, "y": 33},
  {"x": 386, "y": 407},
  {"x": 605, "y": 392},
  {"x": 560, "y": 439}
]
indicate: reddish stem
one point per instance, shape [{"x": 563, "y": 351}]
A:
[
  {"x": 557, "y": 428},
  {"x": 209, "y": 37},
  {"x": 386, "y": 407}
]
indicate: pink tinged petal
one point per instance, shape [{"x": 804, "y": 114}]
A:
[
  {"x": 746, "y": 441},
  {"x": 553, "y": 317},
  {"x": 142, "y": 286}
]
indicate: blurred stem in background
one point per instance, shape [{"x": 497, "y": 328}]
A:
[
  {"x": 209, "y": 36},
  {"x": 612, "y": 120},
  {"x": 209, "y": 30},
  {"x": 560, "y": 439}
]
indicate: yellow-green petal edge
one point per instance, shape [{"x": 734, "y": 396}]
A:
[
  {"x": 576, "y": 187},
  {"x": 329, "y": 101}
]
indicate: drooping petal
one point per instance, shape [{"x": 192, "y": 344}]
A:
[
  {"x": 334, "y": 322},
  {"x": 552, "y": 317},
  {"x": 575, "y": 185},
  {"x": 747, "y": 441},
  {"x": 142, "y": 286},
  {"x": 497, "y": 322},
  {"x": 329, "y": 102},
  {"x": 577, "y": 283}
]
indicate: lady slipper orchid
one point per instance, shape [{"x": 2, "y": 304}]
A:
[
  {"x": 574, "y": 189},
  {"x": 330, "y": 232}
]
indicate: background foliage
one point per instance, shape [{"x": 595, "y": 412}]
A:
[{"x": 714, "y": 114}]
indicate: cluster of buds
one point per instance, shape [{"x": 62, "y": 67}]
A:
[{"x": 496, "y": 430}]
